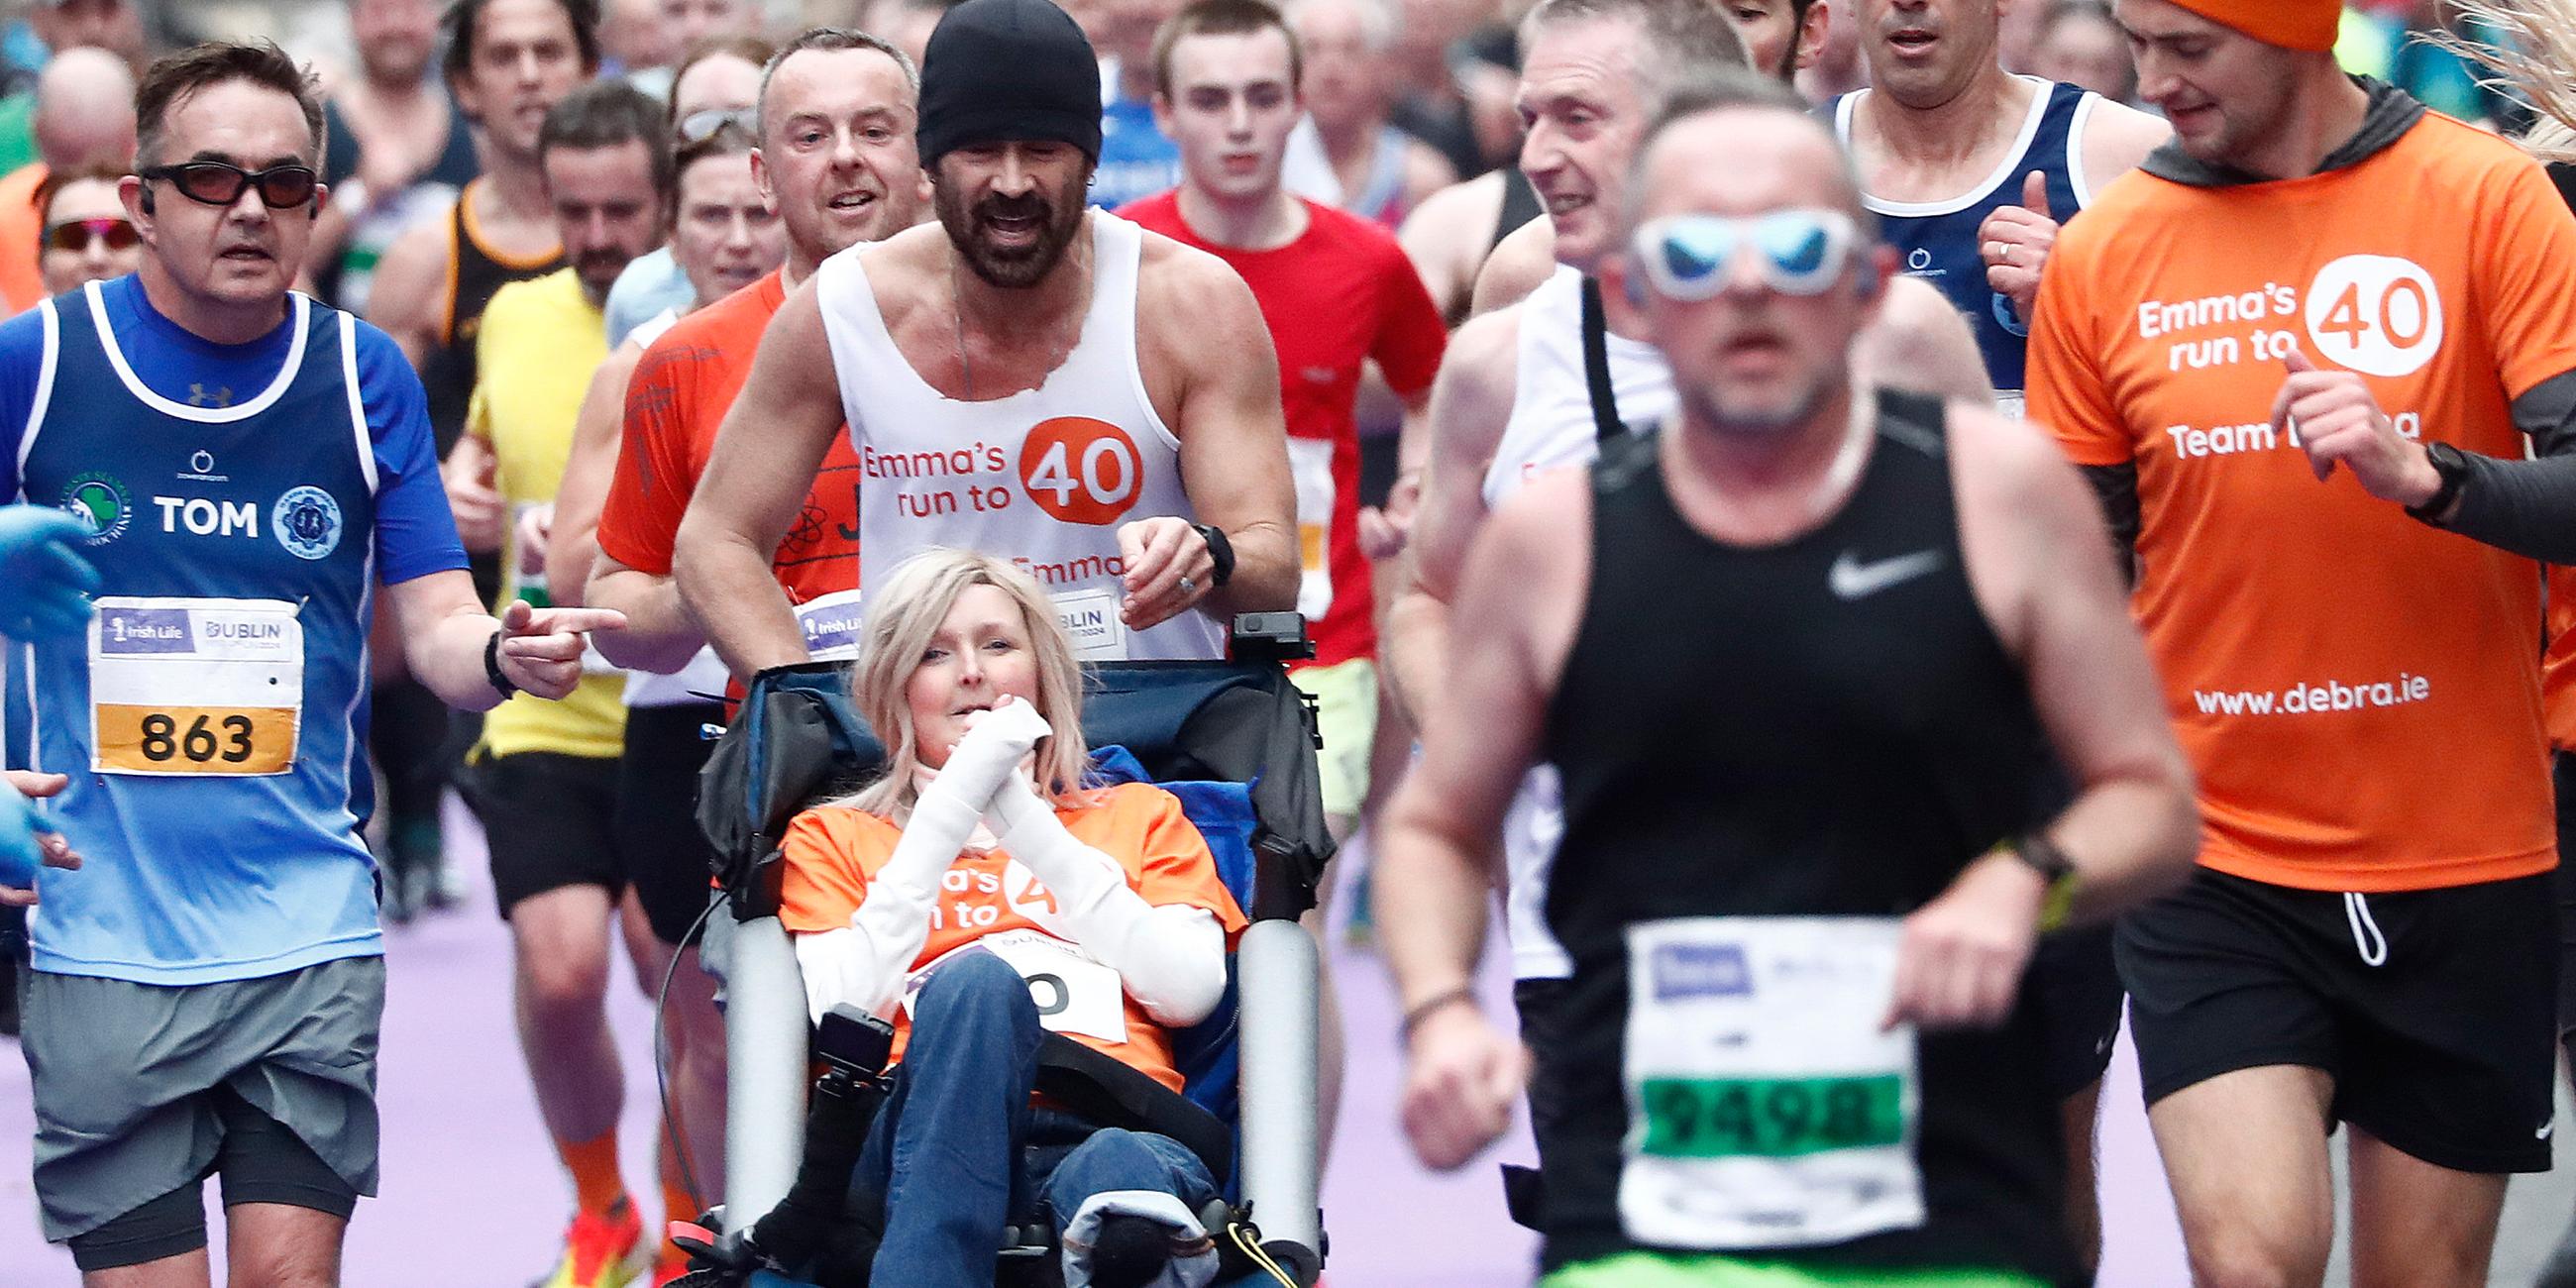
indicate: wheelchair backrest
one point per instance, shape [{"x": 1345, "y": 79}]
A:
[{"x": 797, "y": 740}]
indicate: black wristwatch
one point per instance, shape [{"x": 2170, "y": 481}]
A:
[
  {"x": 1219, "y": 549},
  {"x": 2453, "y": 465},
  {"x": 492, "y": 667},
  {"x": 2043, "y": 856}
]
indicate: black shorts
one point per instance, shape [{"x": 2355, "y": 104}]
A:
[
  {"x": 1544, "y": 1021},
  {"x": 657, "y": 818},
  {"x": 549, "y": 821},
  {"x": 259, "y": 1159},
  {"x": 2075, "y": 987},
  {"x": 2433, "y": 1010}
]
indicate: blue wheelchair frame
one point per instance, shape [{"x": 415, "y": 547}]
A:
[{"x": 1222, "y": 736}]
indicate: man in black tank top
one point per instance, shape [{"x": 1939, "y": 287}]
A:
[{"x": 1803, "y": 660}]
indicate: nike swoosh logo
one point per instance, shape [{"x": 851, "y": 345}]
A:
[
  {"x": 2545, "y": 1130},
  {"x": 1851, "y": 579}
]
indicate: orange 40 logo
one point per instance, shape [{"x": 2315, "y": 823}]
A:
[{"x": 1081, "y": 470}]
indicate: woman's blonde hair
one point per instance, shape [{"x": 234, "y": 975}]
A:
[
  {"x": 902, "y": 617},
  {"x": 2524, "y": 49}
]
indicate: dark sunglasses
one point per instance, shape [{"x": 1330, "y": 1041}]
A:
[
  {"x": 700, "y": 126},
  {"x": 80, "y": 234},
  {"x": 220, "y": 183}
]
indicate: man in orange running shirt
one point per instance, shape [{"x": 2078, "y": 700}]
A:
[
  {"x": 837, "y": 157},
  {"x": 2300, "y": 350}
]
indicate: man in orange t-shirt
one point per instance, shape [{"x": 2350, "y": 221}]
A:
[
  {"x": 2299, "y": 350},
  {"x": 857, "y": 99}
]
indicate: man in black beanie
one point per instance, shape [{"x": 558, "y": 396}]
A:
[
  {"x": 1030, "y": 379},
  {"x": 1055, "y": 386}
]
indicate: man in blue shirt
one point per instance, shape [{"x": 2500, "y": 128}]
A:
[{"x": 248, "y": 466}]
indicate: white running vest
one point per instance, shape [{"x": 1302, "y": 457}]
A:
[
  {"x": 1551, "y": 428},
  {"x": 705, "y": 674},
  {"x": 1044, "y": 478},
  {"x": 1551, "y": 425}
]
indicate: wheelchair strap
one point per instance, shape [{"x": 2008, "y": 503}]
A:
[{"x": 1113, "y": 1093}]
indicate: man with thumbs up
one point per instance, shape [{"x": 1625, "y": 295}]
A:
[
  {"x": 1947, "y": 142},
  {"x": 2301, "y": 350}
]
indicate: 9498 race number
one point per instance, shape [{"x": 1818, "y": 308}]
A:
[{"x": 1770, "y": 1117}]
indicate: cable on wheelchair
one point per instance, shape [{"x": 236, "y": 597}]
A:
[
  {"x": 662, "y": 1059},
  {"x": 1251, "y": 1250}
]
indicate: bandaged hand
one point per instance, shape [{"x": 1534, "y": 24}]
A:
[
  {"x": 1170, "y": 958},
  {"x": 866, "y": 966},
  {"x": 1078, "y": 874},
  {"x": 996, "y": 742}
]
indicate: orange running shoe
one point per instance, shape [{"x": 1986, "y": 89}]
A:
[{"x": 604, "y": 1250}]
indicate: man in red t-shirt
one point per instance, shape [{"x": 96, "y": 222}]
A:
[{"x": 1336, "y": 291}]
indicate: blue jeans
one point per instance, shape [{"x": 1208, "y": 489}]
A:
[{"x": 958, "y": 1149}]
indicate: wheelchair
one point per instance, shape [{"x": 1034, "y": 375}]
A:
[{"x": 1236, "y": 742}]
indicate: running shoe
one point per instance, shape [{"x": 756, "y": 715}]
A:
[
  {"x": 603, "y": 1250},
  {"x": 668, "y": 1269}
]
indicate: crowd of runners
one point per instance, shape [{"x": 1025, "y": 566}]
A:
[{"x": 1875, "y": 539}]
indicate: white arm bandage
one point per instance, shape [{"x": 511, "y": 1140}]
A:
[
  {"x": 1170, "y": 958},
  {"x": 866, "y": 964}
]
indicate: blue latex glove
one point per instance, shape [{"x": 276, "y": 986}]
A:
[
  {"x": 45, "y": 584},
  {"x": 20, "y": 851},
  {"x": 26, "y": 840}
]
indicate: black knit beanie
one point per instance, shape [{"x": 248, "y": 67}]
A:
[{"x": 999, "y": 70}]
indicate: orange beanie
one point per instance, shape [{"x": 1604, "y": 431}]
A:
[{"x": 2292, "y": 24}]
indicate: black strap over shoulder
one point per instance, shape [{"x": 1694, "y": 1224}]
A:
[
  {"x": 1596, "y": 366},
  {"x": 1112, "y": 1093}
]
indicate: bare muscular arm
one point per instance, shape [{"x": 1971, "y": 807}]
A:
[
  {"x": 1525, "y": 259},
  {"x": 2039, "y": 562},
  {"x": 1470, "y": 403},
  {"x": 1524, "y": 582},
  {"x": 573, "y": 544},
  {"x": 1440, "y": 237},
  {"x": 1921, "y": 343},
  {"x": 1234, "y": 442},
  {"x": 2117, "y": 140}
]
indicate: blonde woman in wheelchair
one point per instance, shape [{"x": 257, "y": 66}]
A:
[{"x": 979, "y": 895}]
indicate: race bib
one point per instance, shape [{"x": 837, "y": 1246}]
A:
[
  {"x": 1074, "y": 994},
  {"x": 195, "y": 686},
  {"x": 832, "y": 624},
  {"x": 1310, "y": 465},
  {"x": 1091, "y": 618},
  {"x": 1766, "y": 1108}
]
